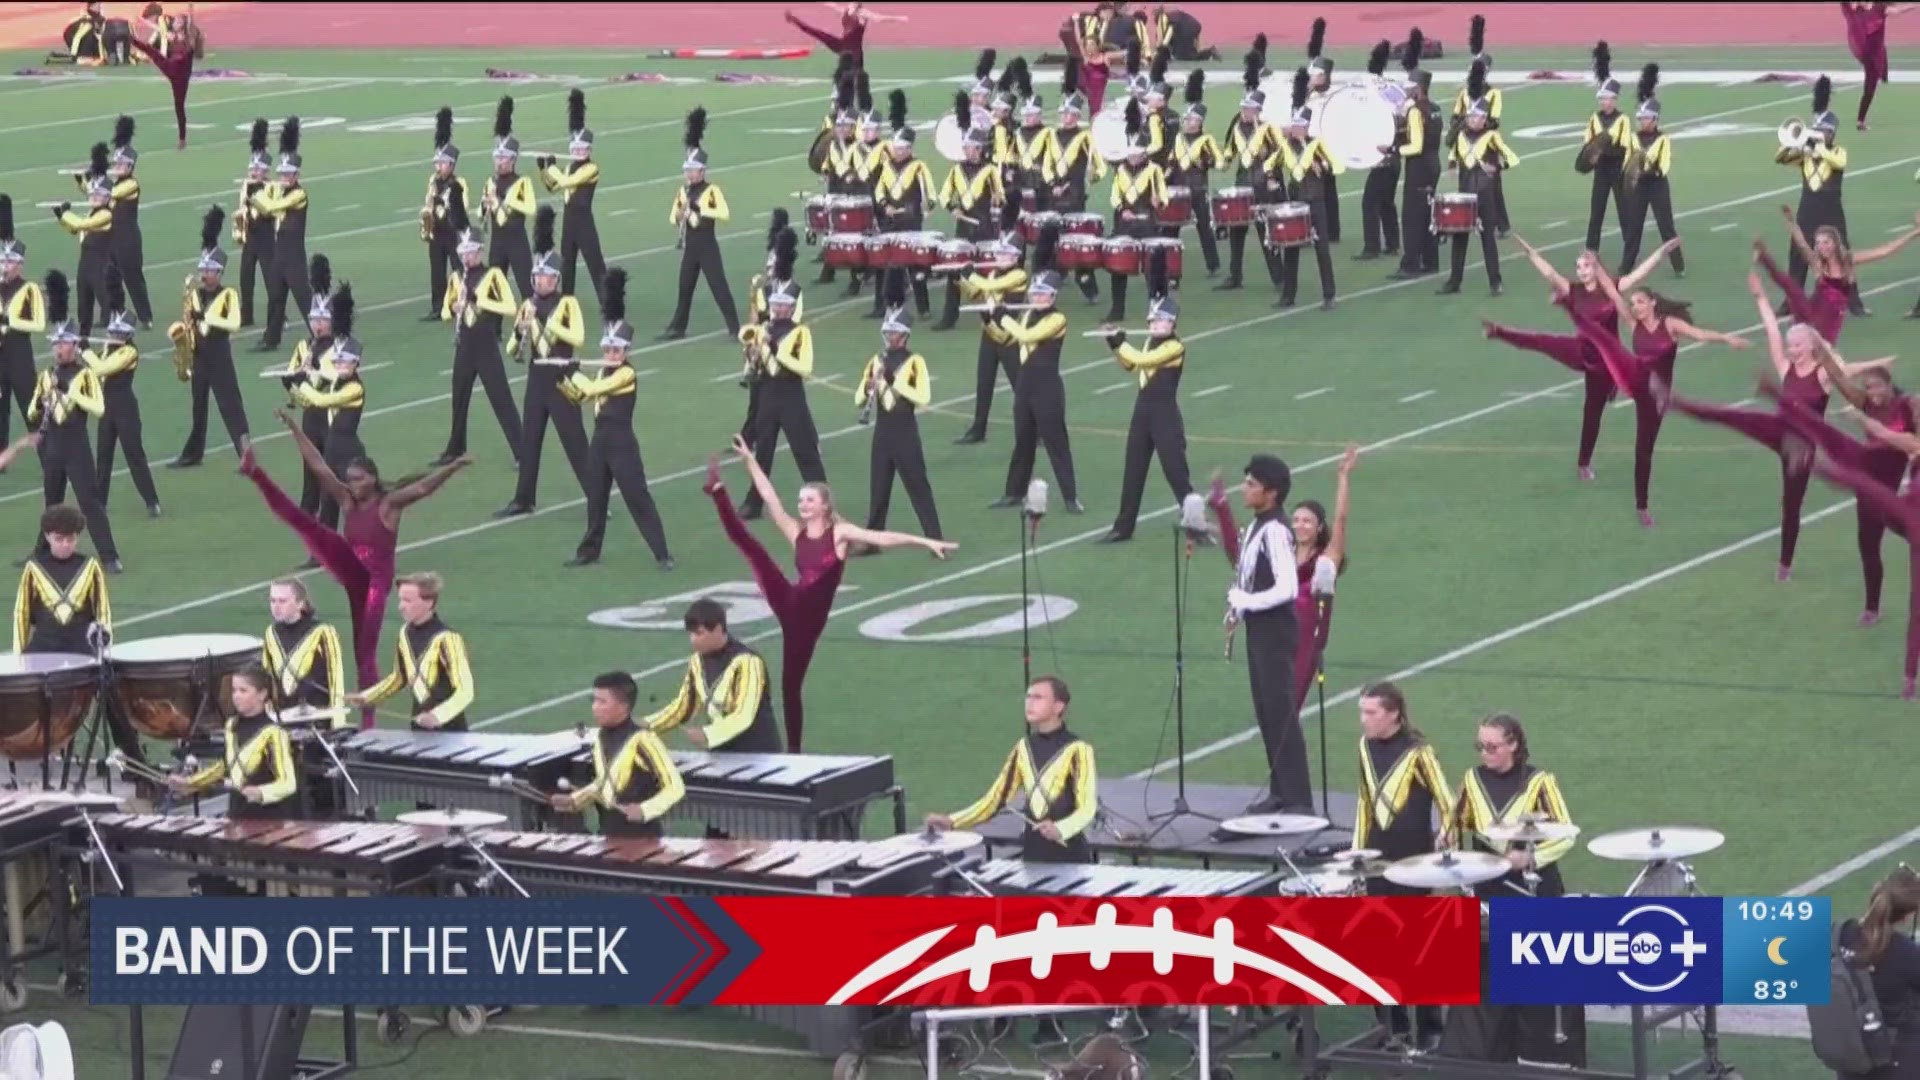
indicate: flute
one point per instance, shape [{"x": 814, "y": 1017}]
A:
[
  {"x": 1116, "y": 330},
  {"x": 560, "y": 361},
  {"x": 992, "y": 307}
]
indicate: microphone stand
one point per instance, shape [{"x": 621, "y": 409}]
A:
[
  {"x": 1320, "y": 681},
  {"x": 1182, "y": 575},
  {"x": 1027, "y": 521}
]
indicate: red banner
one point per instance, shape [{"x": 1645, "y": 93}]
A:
[{"x": 1087, "y": 951}]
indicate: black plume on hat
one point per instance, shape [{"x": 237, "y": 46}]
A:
[
  {"x": 963, "y": 110},
  {"x": 1317, "y": 39},
  {"x": 56, "y": 289},
  {"x": 1133, "y": 118},
  {"x": 1070, "y": 78},
  {"x": 576, "y": 110},
  {"x": 343, "y": 311},
  {"x": 1196, "y": 87},
  {"x": 1822, "y": 94},
  {"x": 1161, "y": 61},
  {"x": 1133, "y": 58},
  {"x": 863, "y": 93},
  {"x": 503, "y": 118},
  {"x": 786, "y": 252},
  {"x": 6, "y": 218},
  {"x": 1043, "y": 248},
  {"x": 123, "y": 131},
  {"x": 1477, "y": 35},
  {"x": 257, "y": 141},
  {"x": 210, "y": 228},
  {"x": 320, "y": 275},
  {"x": 1300, "y": 81},
  {"x": 897, "y": 109},
  {"x": 843, "y": 96},
  {"x": 1005, "y": 82},
  {"x": 1649, "y": 78},
  {"x": 1250, "y": 76},
  {"x": 290, "y": 135},
  {"x": 97, "y": 159},
  {"x": 983, "y": 67},
  {"x": 1022, "y": 78},
  {"x": 613, "y": 301},
  {"x": 443, "y": 127},
  {"x": 543, "y": 229},
  {"x": 1416, "y": 44},
  {"x": 696, "y": 129},
  {"x": 1476, "y": 81},
  {"x": 1260, "y": 49},
  {"x": 776, "y": 225},
  {"x": 1377, "y": 59},
  {"x": 1602, "y": 62}
]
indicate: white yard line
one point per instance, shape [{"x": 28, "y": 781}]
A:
[
  {"x": 1312, "y": 393},
  {"x": 1411, "y": 398},
  {"x": 1725, "y": 225},
  {"x": 167, "y": 110},
  {"x": 1114, "y": 387},
  {"x": 1856, "y": 864},
  {"x": 1221, "y": 389}
]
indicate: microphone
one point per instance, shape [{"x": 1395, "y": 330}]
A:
[
  {"x": 1035, "y": 506},
  {"x": 1193, "y": 520}
]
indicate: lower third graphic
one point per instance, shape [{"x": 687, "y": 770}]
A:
[{"x": 1604, "y": 950}]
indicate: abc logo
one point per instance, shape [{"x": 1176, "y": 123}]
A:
[{"x": 1644, "y": 948}]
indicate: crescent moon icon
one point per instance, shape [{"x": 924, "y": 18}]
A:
[{"x": 1773, "y": 951}]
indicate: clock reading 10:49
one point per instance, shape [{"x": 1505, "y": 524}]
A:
[{"x": 1775, "y": 950}]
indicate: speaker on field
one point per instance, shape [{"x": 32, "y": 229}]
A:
[{"x": 239, "y": 1042}]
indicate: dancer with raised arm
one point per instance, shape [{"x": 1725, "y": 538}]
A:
[
  {"x": 1583, "y": 300},
  {"x": 177, "y": 65},
  {"x": 362, "y": 556},
  {"x": 820, "y": 539},
  {"x": 850, "y": 45},
  {"x": 1903, "y": 513},
  {"x": 1836, "y": 273},
  {"x": 1867, "y": 40}
]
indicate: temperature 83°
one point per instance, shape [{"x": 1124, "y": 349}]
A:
[
  {"x": 1775, "y": 989},
  {"x": 1775, "y": 910}
]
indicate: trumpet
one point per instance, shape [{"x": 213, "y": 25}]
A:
[
  {"x": 753, "y": 357},
  {"x": 185, "y": 334},
  {"x": 875, "y": 387},
  {"x": 1794, "y": 135},
  {"x": 243, "y": 214},
  {"x": 523, "y": 334},
  {"x": 427, "y": 214}
]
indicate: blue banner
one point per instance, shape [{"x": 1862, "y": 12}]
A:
[
  {"x": 424, "y": 951},
  {"x": 1604, "y": 951},
  {"x": 1777, "y": 950}
]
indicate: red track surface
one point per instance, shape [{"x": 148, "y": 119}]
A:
[{"x": 1351, "y": 27}]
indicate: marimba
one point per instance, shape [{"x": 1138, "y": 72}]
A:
[
  {"x": 686, "y": 866},
  {"x": 340, "y": 855},
  {"x": 781, "y": 796},
  {"x": 1012, "y": 877},
  {"x": 458, "y": 770}
]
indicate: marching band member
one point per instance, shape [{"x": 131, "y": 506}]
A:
[
  {"x": 1379, "y": 218},
  {"x": 1153, "y": 114},
  {"x": 1073, "y": 163},
  {"x": 698, "y": 207},
  {"x": 508, "y": 202},
  {"x": 477, "y": 299},
  {"x": 635, "y": 781},
  {"x": 332, "y": 395},
  {"x": 614, "y": 454},
  {"x": 1319, "y": 85},
  {"x": 85, "y": 37},
  {"x": 1002, "y": 282},
  {"x": 431, "y": 660},
  {"x": 1649, "y": 191},
  {"x": 1039, "y": 395},
  {"x": 726, "y": 683},
  {"x": 114, "y": 366},
  {"x": 1055, "y": 770},
  {"x": 903, "y": 191},
  {"x": 783, "y": 351},
  {"x": 973, "y": 194},
  {"x": 1823, "y": 165},
  {"x": 1139, "y": 190},
  {"x": 1016, "y": 85},
  {"x": 1401, "y": 790},
  {"x": 258, "y": 761},
  {"x": 1251, "y": 143},
  {"x": 210, "y": 317},
  {"x": 549, "y": 327},
  {"x": 1194, "y": 155},
  {"x": 1477, "y": 89},
  {"x": 894, "y": 384},
  {"x": 436, "y": 230},
  {"x": 285, "y": 201},
  {"x": 23, "y": 313},
  {"x": 312, "y": 361},
  {"x": 254, "y": 232},
  {"x": 1482, "y": 156},
  {"x": 1304, "y": 165},
  {"x": 63, "y": 593},
  {"x": 579, "y": 236},
  {"x": 981, "y": 90},
  {"x": 1156, "y": 427},
  {"x": 94, "y": 229},
  {"x": 128, "y": 253},
  {"x": 301, "y": 653},
  {"x": 1506, "y": 788},
  {"x": 64, "y": 397},
  {"x": 1419, "y": 147},
  {"x": 1605, "y": 151},
  {"x": 863, "y": 165},
  {"x": 781, "y": 240},
  {"x": 845, "y": 166},
  {"x": 1033, "y": 144}
]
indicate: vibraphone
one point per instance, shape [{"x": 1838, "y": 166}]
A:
[
  {"x": 1011, "y": 877},
  {"x": 685, "y": 866},
  {"x": 458, "y": 770},
  {"x": 779, "y": 796},
  {"x": 29, "y": 828},
  {"x": 352, "y": 856}
]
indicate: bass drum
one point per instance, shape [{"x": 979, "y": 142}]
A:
[
  {"x": 44, "y": 698},
  {"x": 1356, "y": 120},
  {"x": 949, "y": 139},
  {"x": 1110, "y": 131}
]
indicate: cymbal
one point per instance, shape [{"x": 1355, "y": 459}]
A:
[
  {"x": 1321, "y": 883},
  {"x": 1275, "y": 825},
  {"x": 306, "y": 714},
  {"x": 92, "y": 800},
  {"x": 1354, "y": 855},
  {"x": 452, "y": 819},
  {"x": 1447, "y": 870},
  {"x": 926, "y": 841},
  {"x": 1531, "y": 831},
  {"x": 1656, "y": 844}
]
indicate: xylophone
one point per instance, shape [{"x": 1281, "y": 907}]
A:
[
  {"x": 1012, "y": 877},
  {"x": 458, "y": 769},
  {"x": 345, "y": 855},
  {"x": 685, "y": 866},
  {"x": 778, "y": 796}
]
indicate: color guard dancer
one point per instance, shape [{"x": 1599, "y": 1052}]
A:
[
  {"x": 1039, "y": 395},
  {"x": 1605, "y": 152},
  {"x": 507, "y": 201},
  {"x": 64, "y": 397},
  {"x": 635, "y": 781},
  {"x": 285, "y": 201},
  {"x": 1482, "y": 156},
  {"x": 1086, "y": 37},
  {"x": 477, "y": 300},
  {"x": 579, "y": 236},
  {"x": 1823, "y": 165},
  {"x": 430, "y": 659},
  {"x": 698, "y": 207},
  {"x": 253, "y": 232},
  {"x": 1419, "y": 146},
  {"x": 209, "y": 319},
  {"x": 1251, "y": 142},
  {"x": 1049, "y": 779},
  {"x": 128, "y": 252},
  {"x": 1883, "y": 457},
  {"x": 850, "y": 45},
  {"x": 1836, "y": 272},
  {"x": 1650, "y": 163},
  {"x": 1903, "y": 515},
  {"x": 436, "y": 219},
  {"x": 1867, "y": 40},
  {"x": 23, "y": 313},
  {"x": 614, "y": 454},
  {"x": 114, "y": 366},
  {"x": 547, "y": 331},
  {"x": 63, "y": 593},
  {"x": 1156, "y": 427},
  {"x": 172, "y": 58},
  {"x": 1305, "y": 168},
  {"x": 894, "y": 385}
]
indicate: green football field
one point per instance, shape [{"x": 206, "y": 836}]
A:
[{"x": 1662, "y": 674}]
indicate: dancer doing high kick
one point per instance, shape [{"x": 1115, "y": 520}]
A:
[
  {"x": 1867, "y": 40},
  {"x": 850, "y": 45},
  {"x": 1836, "y": 273},
  {"x": 1902, "y": 513},
  {"x": 177, "y": 65},
  {"x": 820, "y": 539}
]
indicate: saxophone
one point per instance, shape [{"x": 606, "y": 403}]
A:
[
  {"x": 753, "y": 355},
  {"x": 185, "y": 334},
  {"x": 243, "y": 214},
  {"x": 427, "y": 215}
]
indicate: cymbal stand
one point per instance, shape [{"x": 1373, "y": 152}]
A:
[
  {"x": 100, "y": 846},
  {"x": 339, "y": 767},
  {"x": 1645, "y": 1021},
  {"x": 1294, "y": 868},
  {"x": 486, "y": 879}
]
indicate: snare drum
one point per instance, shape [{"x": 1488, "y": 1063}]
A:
[
  {"x": 1032, "y": 222},
  {"x": 1080, "y": 251},
  {"x": 1083, "y": 225},
  {"x": 1178, "y": 209},
  {"x": 848, "y": 250},
  {"x": 44, "y": 698},
  {"x": 922, "y": 250},
  {"x": 1168, "y": 248},
  {"x": 1288, "y": 225},
  {"x": 1233, "y": 208},
  {"x": 849, "y": 213},
  {"x": 1456, "y": 212},
  {"x": 167, "y": 685},
  {"x": 956, "y": 256},
  {"x": 1029, "y": 200},
  {"x": 1121, "y": 255},
  {"x": 819, "y": 222}
]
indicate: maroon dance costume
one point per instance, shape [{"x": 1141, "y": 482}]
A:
[
  {"x": 1903, "y": 514},
  {"x": 1312, "y": 613},
  {"x": 1867, "y": 39},
  {"x": 178, "y": 69},
  {"x": 1646, "y": 373},
  {"x": 1775, "y": 432},
  {"x": 362, "y": 561},
  {"x": 849, "y": 46},
  {"x": 1585, "y": 307},
  {"x": 801, "y": 606},
  {"x": 1825, "y": 311}
]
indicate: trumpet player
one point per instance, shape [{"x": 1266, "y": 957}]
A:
[
  {"x": 436, "y": 228},
  {"x": 614, "y": 455},
  {"x": 477, "y": 300},
  {"x": 784, "y": 350},
  {"x": 1004, "y": 282},
  {"x": 253, "y": 232},
  {"x": 546, "y": 332},
  {"x": 129, "y": 255},
  {"x": 23, "y": 313},
  {"x": 579, "y": 236},
  {"x": 973, "y": 195},
  {"x": 1651, "y": 164},
  {"x": 203, "y": 346},
  {"x": 285, "y": 201},
  {"x": 894, "y": 385},
  {"x": 114, "y": 367},
  {"x": 507, "y": 203},
  {"x": 1605, "y": 152},
  {"x": 1823, "y": 165},
  {"x": 65, "y": 396},
  {"x": 1303, "y": 166},
  {"x": 1482, "y": 156},
  {"x": 94, "y": 228},
  {"x": 698, "y": 208},
  {"x": 312, "y": 364}
]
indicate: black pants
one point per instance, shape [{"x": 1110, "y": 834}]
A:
[
  {"x": 1203, "y": 222},
  {"x": 702, "y": 256},
  {"x": 1331, "y": 201},
  {"x": 580, "y": 238},
  {"x": 213, "y": 374},
  {"x": 1117, "y": 283},
  {"x": 510, "y": 250},
  {"x": 313, "y": 424},
  {"x": 1493, "y": 204},
  {"x": 1652, "y": 194},
  {"x": 257, "y": 254},
  {"x": 1322, "y": 255},
  {"x": 91, "y": 294},
  {"x": 287, "y": 276},
  {"x": 66, "y": 458},
  {"x": 478, "y": 357},
  {"x": 1489, "y": 253},
  {"x": 1419, "y": 248},
  {"x": 1156, "y": 428},
  {"x": 1607, "y": 183},
  {"x": 1271, "y": 639},
  {"x": 1035, "y": 848},
  {"x": 784, "y": 411},
  {"x": 1040, "y": 417},
  {"x": 543, "y": 402},
  {"x": 443, "y": 257},
  {"x": 17, "y": 376},
  {"x": 614, "y": 457},
  {"x": 343, "y": 445},
  {"x": 896, "y": 451},
  {"x": 120, "y": 426},
  {"x": 130, "y": 258},
  {"x": 992, "y": 359},
  {"x": 1379, "y": 218}
]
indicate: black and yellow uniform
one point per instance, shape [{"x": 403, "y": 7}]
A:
[
  {"x": 85, "y": 39},
  {"x": 1482, "y": 157},
  {"x": 285, "y": 202},
  {"x": 94, "y": 227},
  {"x": 129, "y": 252},
  {"x": 1823, "y": 169},
  {"x": 698, "y": 209},
  {"x": 58, "y": 602},
  {"x": 258, "y": 753},
  {"x": 1039, "y": 402},
  {"x": 631, "y": 768},
  {"x": 256, "y": 248},
  {"x": 65, "y": 396},
  {"x": 1249, "y": 145},
  {"x": 845, "y": 173},
  {"x": 1156, "y": 427},
  {"x": 905, "y": 387},
  {"x": 1073, "y": 164},
  {"x": 217, "y": 313},
  {"x": 902, "y": 193},
  {"x": 1190, "y": 159},
  {"x": 558, "y": 329},
  {"x": 1033, "y": 145},
  {"x": 1650, "y": 192},
  {"x": 430, "y": 659},
  {"x": 1307, "y": 167},
  {"x": 785, "y": 351},
  {"x": 728, "y": 687},
  {"x": 1159, "y": 127},
  {"x": 1379, "y": 217},
  {"x": 120, "y": 427},
  {"x": 1420, "y": 154},
  {"x": 864, "y": 163},
  {"x": 24, "y": 308},
  {"x": 760, "y": 293},
  {"x": 1609, "y": 134},
  {"x": 507, "y": 243},
  {"x": 1055, "y": 770},
  {"x": 476, "y": 353},
  {"x": 614, "y": 457},
  {"x": 998, "y": 351},
  {"x": 338, "y": 399},
  {"x": 307, "y": 666},
  {"x": 1490, "y": 102},
  {"x": 579, "y": 235},
  {"x": 443, "y": 242},
  {"x": 973, "y": 193},
  {"x": 1138, "y": 192},
  {"x": 312, "y": 359},
  {"x": 1401, "y": 791}
]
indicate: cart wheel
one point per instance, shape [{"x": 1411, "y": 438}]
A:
[
  {"x": 73, "y": 985},
  {"x": 467, "y": 1020},
  {"x": 393, "y": 1025},
  {"x": 953, "y": 1050},
  {"x": 1221, "y": 1072},
  {"x": 851, "y": 1065},
  {"x": 13, "y": 995}
]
